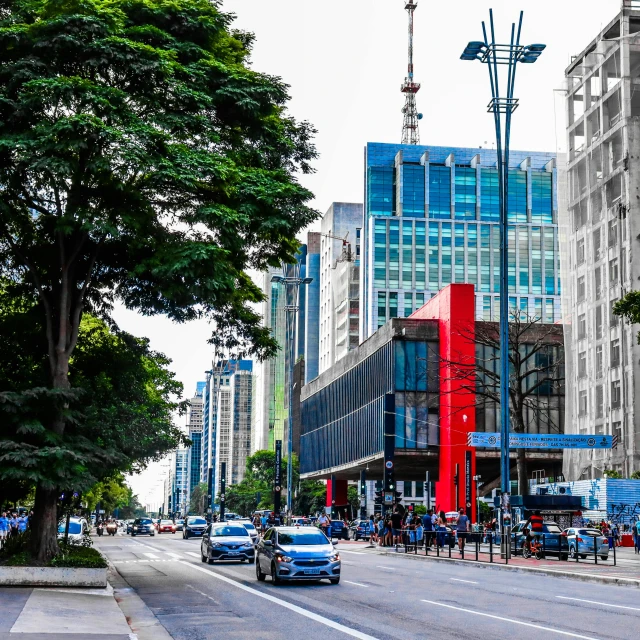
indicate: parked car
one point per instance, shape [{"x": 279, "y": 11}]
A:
[
  {"x": 166, "y": 526},
  {"x": 143, "y": 527},
  {"x": 296, "y": 553},
  {"x": 226, "y": 541},
  {"x": 179, "y": 524},
  {"x": 360, "y": 529},
  {"x": 194, "y": 526},
  {"x": 253, "y": 532},
  {"x": 581, "y": 542},
  {"x": 76, "y": 530},
  {"x": 338, "y": 530},
  {"x": 554, "y": 542}
]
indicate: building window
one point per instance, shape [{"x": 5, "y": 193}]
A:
[
  {"x": 597, "y": 245},
  {"x": 599, "y": 322},
  {"x": 465, "y": 193},
  {"x": 393, "y": 304},
  {"x": 599, "y": 361},
  {"x": 408, "y": 489},
  {"x": 394, "y": 253},
  {"x": 419, "y": 490},
  {"x": 599, "y": 402},
  {"x": 616, "y": 429},
  {"x": 582, "y": 403},
  {"x": 580, "y": 257},
  {"x": 613, "y": 318},
  {"x": 582, "y": 364},
  {"x": 439, "y": 192},
  {"x": 613, "y": 271},
  {"x": 615, "y": 352},
  {"x": 598, "y": 283},
  {"x": 445, "y": 250},
  {"x": 581, "y": 289},
  {"x": 413, "y": 191},
  {"x": 615, "y": 394},
  {"x": 382, "y": 308},
  {"x": 517, "y": 196},
  {"x": 486, "y": 308},
  {"x": 548, "y": 313},
  {"x": 419, "y": 300},
  {"x": 408, "y": 304},
  {"x": 434, "y": 256},
  {"x": 380, "y": 191},
  {"x": 490, "y": 197},
  {"x": 541, "y": 198},
  {"x": 582, "y": 326},
  {"x": 613, "y": 232}
]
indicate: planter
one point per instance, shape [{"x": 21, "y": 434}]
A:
[{"x": 52, "y": 577}]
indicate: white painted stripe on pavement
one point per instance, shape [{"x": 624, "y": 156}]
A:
[
  {"x": 381, "y": 566},
  {"x": 604, "y": 604},
  {"x": 358, "y": 584},
  {"x": 191, "y": 553},
  {"x": 461, "y": 580},
  {"x": 287, "y": 605},
  {"x": 355, "y": 553},
  {"x": 153, "y": 556},
  {"x": 174, "y": 555},
  {"x": 520, "y": 622}
]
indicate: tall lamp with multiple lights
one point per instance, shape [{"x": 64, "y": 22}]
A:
[
  {"x": 507, "y": 56},
  {"x": 291, "y": 280}
]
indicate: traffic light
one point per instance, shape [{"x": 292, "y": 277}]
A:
[
  {"x": 411, "y": 507},
  {"x": 379, "y": 499},
  {"x": 398, "y": 497}
]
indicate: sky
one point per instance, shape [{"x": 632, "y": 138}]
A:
[{"x": 345, "y": 62}]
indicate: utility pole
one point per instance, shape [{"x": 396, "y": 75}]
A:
[{"x": 223, "y": 488}]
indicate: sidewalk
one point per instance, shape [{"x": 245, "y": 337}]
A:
[{"x": 626, "y": 572}]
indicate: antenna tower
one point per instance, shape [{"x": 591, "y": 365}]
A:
[{"x": 410, "y": 130}]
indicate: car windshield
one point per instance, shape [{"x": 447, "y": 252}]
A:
[
  {"x": 589, "y": 532},
  {"x": 166, "y": 522},
  {"x": 229, "y": 531},
  {"x": 249, "y": 526},
  {"x": 552, "y": 527},
  {"x": 301, "y": 537},
  {"x": 145, "y": 521},
  {"x": 196, "y": 521},
  {"x": 74, "y": 527}
]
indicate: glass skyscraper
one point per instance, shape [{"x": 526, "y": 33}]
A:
[{"x": 431, "y": 219}]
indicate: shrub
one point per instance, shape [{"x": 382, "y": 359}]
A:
[{"x": 78, "y": 557}]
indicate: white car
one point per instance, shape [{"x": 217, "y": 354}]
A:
[{"x": 76, "y": 530}]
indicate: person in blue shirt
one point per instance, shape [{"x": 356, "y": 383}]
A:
[
  {"x": 13, "y": 521},
  {"x": 4, "y": 528},
  {"x": 427, "y": 523},
  {"x": 22, "y": 524}
]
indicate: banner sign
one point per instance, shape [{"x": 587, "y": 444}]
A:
[
  {"x": 541, "y": 441},
  {"x": 277, "y": 477},
  {"x": 467, "y": 483}
]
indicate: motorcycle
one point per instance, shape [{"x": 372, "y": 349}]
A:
[
  {"x": 99, "y": 529},
  {"x": 112, "y": 528}
]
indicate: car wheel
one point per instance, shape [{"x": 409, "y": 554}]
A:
[
  {"x": 159, "y": 532},
  {"x": 274, "y": 574},
  {"x": 583, "y": 555},
  {"x": 604, "y": 557},
  {"x": 564, "y": 556},
  {"x": 334, "y": 580},
  {"x": 356, "y": 538},
  {"x": 261, "y": 576},
  {"x": 252, "y": 560},
  {"x": 174, "y": 533},
  {"x": 153, "y": 533},
  {"x": 133, "y": 535},
  {"x": 572, "y": 553}
]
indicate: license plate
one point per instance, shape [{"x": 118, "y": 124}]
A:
[
  {"x": 234, "y": 553},
  {"x": 312, "y": 572}
]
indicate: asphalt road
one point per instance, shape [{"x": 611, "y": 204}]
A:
[{"x": 378, "y": 597}]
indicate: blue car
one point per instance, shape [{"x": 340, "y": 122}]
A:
[
  {"x": 581, "y": 542},
  {"x": 555, "y": 544},
  {"x": 362, "y": 529}
]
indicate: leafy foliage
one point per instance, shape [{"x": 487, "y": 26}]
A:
[{"x": 198, "y": 498}]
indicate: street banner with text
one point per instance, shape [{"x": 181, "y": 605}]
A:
[{"x": 541, "y": 441}]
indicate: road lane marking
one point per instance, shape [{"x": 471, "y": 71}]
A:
[
  {"x": 202, "y": 593},
  {"x": 174, "y": 555},
  {"x": 461, "y": 580},
  {"x": 520, "y": 622},
  {"x": 283, "y": 603},
  {"x": 604, "y": 604},
  {"x": 153, "y": 556},
  {"x": 191, "y": 553},
  {"x": 358, "y": 584},
  {"x": 381, "y": 566},
  {"x": 356, "y": 553}
]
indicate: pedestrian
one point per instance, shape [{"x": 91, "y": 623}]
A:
[
  {"x": 388, "y": 528},
  {"x": 4, "y": 528},
  {"x": 380, "y": 526},
  {"x": 14, "y": 525},
  {"x": 441, "y": 528},
  {"x": 396, "y": 526},
  {"x": 22, "y": 524},
  {"x": 427, "y": 524},
  {"x": 636, "y": 535},
  {"x": 419, "y": 530},
  {"x": 462, "y": 529},
  {"x": 324, "y": 523}
]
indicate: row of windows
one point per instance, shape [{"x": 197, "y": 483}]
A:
[
  {"x": 382, "y": 187},
  {"x": 435, "y": 254}
]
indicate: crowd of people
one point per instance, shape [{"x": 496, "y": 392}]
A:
[{"x": 11, "y": 524}]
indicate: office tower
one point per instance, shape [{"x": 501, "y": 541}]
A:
[
  {"x": 228, "y": 407},
  {"x": 270, "y": 377},
  {"x": 176, "y": 484},
  {"x": 339, "y": 269},
  {"x": 603, "y": 262},
  {"x": 432, "y": 219},
  {"x": 194, "y": 426}
]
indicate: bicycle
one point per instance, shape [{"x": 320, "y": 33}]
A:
[{"x": 534, "y": 548}]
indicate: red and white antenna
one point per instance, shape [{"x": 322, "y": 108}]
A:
[{"x": 410, "y": 129}]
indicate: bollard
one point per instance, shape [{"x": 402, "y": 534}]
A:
[
  {"x": 595, "y": 548},
  {"x": 491, "y": 548},
  {"x": 477, "y": 548},
  {"x": 614, "y": 555},
  {"x": 449, "y": 542},
  {"x": 544, "y": 546}
]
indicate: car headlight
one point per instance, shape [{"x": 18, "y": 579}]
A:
[
  {"x": 135, "y": 528},
  {"x": 282, "y": 558},
  {"x": 216, "y": 544},
  {"x": 334, "y": 557},
  {"x": 248, "y": 544}
]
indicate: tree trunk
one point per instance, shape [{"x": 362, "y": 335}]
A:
[
  {"x": 44, "y": 527},
  {"x": 523, "y": 480}
]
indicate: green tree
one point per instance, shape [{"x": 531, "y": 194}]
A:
[
  {"x": 198, "y": 499},
  {"x": 141, "y": 160}
]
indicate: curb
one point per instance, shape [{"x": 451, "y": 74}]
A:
[
  {"x": 144, "y": 624},
  {"x": 580, "y": 577}
]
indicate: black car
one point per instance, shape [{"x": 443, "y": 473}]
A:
[
  {"x": 226, "y": 541},
  {"x": 143, "y": 527},
  {"x": 194, "y": 526}
]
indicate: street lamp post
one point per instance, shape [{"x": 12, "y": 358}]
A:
[
  {"x": 291, "y": 280},
  {"x": 507, "y": 55}
]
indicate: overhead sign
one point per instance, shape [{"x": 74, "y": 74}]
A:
[{"x": 541, "y": 441}]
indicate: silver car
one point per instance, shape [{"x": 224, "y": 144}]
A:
[
  {"x": 226, "y": 541},
  {"x": 581, "y": 542},
  {"x": 297, "y": 553},
  {"x": 251, "y": 529}
]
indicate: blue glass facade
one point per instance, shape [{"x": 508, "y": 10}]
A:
[
  {"x": 431, "y": 219},
  {"x": 194, "y": 459}
]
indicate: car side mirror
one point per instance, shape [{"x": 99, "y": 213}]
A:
[
  {"x": 336, "y": 542},
  {"x": 267, "y": 543}
]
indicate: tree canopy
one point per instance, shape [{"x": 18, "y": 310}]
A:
[{"x": 141, "y": 160}]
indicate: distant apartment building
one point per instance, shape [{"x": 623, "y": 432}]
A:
[
  {"x": 195, "y": 426},
  {"x": 176, "y": 484},
  {"x": 227, "y": 420},
  {"x": 270, "y": 377},
  {"x": 431, "y": 219},
  {"x": 602, "y": 226},
  {"x": 339, "y": 282}
]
